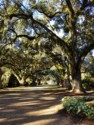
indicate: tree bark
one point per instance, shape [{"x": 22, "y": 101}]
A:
[
  {"x": 22, "y": 81},
  {"x": 76, "y": 79},
  {"x": 34, "y": 83},
  {"x": 68, "y": 84},
  {"x": 0, "y": 79}
]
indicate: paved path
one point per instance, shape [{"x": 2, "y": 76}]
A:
[{"x": 32, "y": 106}]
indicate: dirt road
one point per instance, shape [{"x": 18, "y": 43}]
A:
[{"x": 27, "y": 106}]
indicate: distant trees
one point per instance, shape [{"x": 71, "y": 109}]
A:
[
  {"x": 88, "y": 71},
  {"x": 88, "y": 64}
]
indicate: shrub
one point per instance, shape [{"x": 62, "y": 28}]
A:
[
  {"x": 88, "y": 83},
  {"x": 77, "y": 105}
]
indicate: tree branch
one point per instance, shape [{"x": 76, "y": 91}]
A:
[
  {"x": 54, "y": 37},
  {"x": 22, "y": 16},
  {"x": 28, "y": 37},
  {"x": 51, "y": 34},
  {"x": 86, "y": 50},
  {"x": 70, "y": 7},
  {"x": 50, "y": 16}
]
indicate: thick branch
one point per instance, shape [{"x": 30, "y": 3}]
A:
[
  {"x": 50, "y": 33},
  {"x": 28, "y": 37},
  {"x": 6, "y": 63},
  {"x": 22, "y": 16},
  {"x": 52, "y": 15},
  {"x": 70, "y": 7},
  {"x": 86, "y": 50},
  {"x": 54, "y": 37}
]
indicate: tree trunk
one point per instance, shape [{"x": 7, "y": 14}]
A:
[
  {"x": 68, "y": 84},
  {"x": 76, "y": 79},
  {"x": 0, "y": 79},
  {"x": 22, "y": 81},
  {"x": 38, "y": 82},
  {"x": 34, "y": 83}
]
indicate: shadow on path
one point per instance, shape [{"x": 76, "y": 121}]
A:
[{"x": 25, "y": 106}]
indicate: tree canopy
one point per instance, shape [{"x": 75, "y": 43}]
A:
[{"x": 41, "y": 25}]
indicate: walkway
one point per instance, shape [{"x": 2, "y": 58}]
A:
[{"x": 31, "y": 106}]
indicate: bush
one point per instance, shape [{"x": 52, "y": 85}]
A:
[
  {"x": 88, "y": 83},
  {"x": 77, "y": 106}
]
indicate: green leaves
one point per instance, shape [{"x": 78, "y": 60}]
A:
[
  {"x": 11, "y": 9},
  {"x": 77, "y": 105}
]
